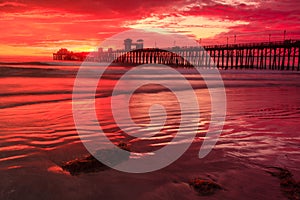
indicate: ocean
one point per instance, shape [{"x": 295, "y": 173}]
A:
[{"x": 38, "y": 134}]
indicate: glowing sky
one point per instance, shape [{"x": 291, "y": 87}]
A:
[{"x": 35, "y": 27}]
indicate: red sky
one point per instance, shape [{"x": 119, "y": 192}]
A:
[{"x": 37, "y": 27}]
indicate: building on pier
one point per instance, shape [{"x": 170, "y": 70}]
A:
[{"x": 128, "y": 44}]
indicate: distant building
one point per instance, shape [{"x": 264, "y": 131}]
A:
[
  {"x": 100, "y": 55},
  {"x": 65, "y": 54},
  {"x": 100, "y": 50}
]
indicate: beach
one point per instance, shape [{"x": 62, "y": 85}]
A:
[{"x": 38, "y": 135}]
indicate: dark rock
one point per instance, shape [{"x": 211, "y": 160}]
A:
[
  {"x": 204, "y": 187},
  {"x": 91, "y": 164},
  {"x": 289, "y": 187}
]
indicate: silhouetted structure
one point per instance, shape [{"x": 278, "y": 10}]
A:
[
  {"x": 282, "y": 55},
  {"x": 128, "y": 44},
  {"x": 64, "y": 54}
]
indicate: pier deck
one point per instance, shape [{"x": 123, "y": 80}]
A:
[{"x": 281, "y": 55}]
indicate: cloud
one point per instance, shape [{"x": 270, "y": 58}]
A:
[
  {"x": 262, "y": 17},
  {"x": 87, "y": 22},
  {"x": 11, "y": 4}
]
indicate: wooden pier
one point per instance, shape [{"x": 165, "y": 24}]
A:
[{"x": 281, "y": 55}]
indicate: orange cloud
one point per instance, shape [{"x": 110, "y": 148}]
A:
[{"x": 40, "y": 27}]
